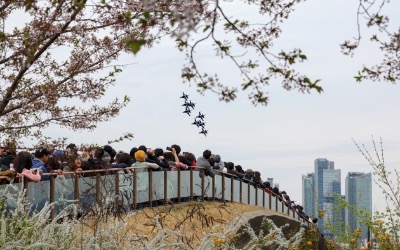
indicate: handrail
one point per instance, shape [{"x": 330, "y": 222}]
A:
[{"x": 150, "y": 193}]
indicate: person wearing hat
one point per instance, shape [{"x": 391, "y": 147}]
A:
[{"x": 141, "y": 163}]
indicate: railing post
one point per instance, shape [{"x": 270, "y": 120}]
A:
[
  {"x": 256, "y": 191},
  {"x": 248, "y": 192},
  {"x": 270, "y": 201},
  {"x": 117, "y": 206},
  {"x": 241, "y": 191},
  {"x": 232, "y": 190},
  {"x": 25, "y": 187},
  {"x": 52, "y": 196},
  {"x": 202, "y": 184},
  {"x": 134, "y": 196},
  {"x": 165, "y": 186},
  {"x": 76, "y": 191},
  {"x": 98, "y": 193},
  {"x": 179, "y": 184},
  {"x": 150, "y": 187},
  {"x": 276, "y": 203},
  {"x": 191, "y": 184},
  {"x": 213, "y": 188},
  {"x": 263, "y": 198},
  {"x": 223, "y": 187}
]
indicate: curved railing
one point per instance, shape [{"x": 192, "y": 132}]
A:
[{"x": 134, "y": 187}]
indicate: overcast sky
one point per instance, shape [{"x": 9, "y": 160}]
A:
[{"x": 283, "y": 139}]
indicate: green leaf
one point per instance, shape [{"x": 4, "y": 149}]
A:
[
  {"x": 304, "y": 57},
  {"x": 146, "y": 14},
  {"x": 248, "y": 84},
  {"x": 358, "y": 78},
  {"x": 135, "y": 45}
]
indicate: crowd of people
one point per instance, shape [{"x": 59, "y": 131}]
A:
[{"x": 72, "y": 161}]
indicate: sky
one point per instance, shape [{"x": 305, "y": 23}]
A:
[{"x": 283, "y": 139}]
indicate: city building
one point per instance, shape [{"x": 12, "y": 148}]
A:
[
  {"x": 308, "y": 192},
  {"x": 327, "y": 181},
  {"x": 359, "y": 196},
  {"x": 322, "y": 193}
]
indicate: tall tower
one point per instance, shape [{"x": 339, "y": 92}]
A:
[
  {"x": 359, "y": 196},
  {"x": 309, "y": 194},
  {"x": 327, "y": 182}
]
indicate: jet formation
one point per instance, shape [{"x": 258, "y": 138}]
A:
[{"x": 199, "y": 119}]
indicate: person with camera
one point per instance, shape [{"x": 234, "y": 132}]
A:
[{"x": 181, "y": 157}]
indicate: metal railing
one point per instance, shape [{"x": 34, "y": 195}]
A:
[{"x": 134, "y": 187}]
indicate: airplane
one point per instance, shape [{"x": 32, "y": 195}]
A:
[
  {"x": 184, "y": 96},
  {"x": 187, "y": 111},
  {"x": 200, "y": 116},
  {"x": 203, "y": 131},
  {"x": 198, "y": 123},
  {"x": 189, "y": 104}
]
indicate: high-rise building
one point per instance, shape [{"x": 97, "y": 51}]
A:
[
  {"x": 309, "y": 194},
  {"x": 359, "y": 196},
  {"x": 327, "y": 182}
]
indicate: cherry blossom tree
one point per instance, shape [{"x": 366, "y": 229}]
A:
[
  {"x": 386, "y": 35},
  {"x": 58, "y": 58}
]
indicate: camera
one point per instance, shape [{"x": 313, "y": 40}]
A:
[{"x": 169, "y": 148}]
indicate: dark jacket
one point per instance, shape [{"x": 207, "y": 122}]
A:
[
  {"x": 6, "y": 160},
  {"x": 154, "y": 159}
]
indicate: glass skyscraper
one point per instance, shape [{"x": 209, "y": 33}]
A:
[
  {"x": 327, "y": 181},
  {"x": 309, "y": 194},
  {"x": 359, "y": 196}
]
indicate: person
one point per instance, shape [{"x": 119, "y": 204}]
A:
[
  {"x": 173, "y": 161},
  {"x": 231, "y": 170},
  {"x": 257, "y": 180},
  {"x": 239, "y": 169},
  {"x": 249, "y": 175},
  {"x": 219, "y": 164},
  {"x": 181, "y": 157},
  {"x": 267, "y": 186},
  {"x": 23, "y": 166},
  {"x": 140, "y": 157},
  {"x": 111, "y": 153},
  {"x": 285, "y": 197},
  {"x": 106, "y": 158},
  {"x": 39, "y": 162},
  {"x": 203, "y": 162},
  {"x": 157, "y": 157},
  {"x": 6, "y": 166},
  {"x": 132, "y": 154},
  {"x": 74, "y": 164},
  {"x": 190, "y": 157},
  {"x": 122, "y": 160},
  {"x": 7, "y": 155},
  {"x": 95, "y": 161}
]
